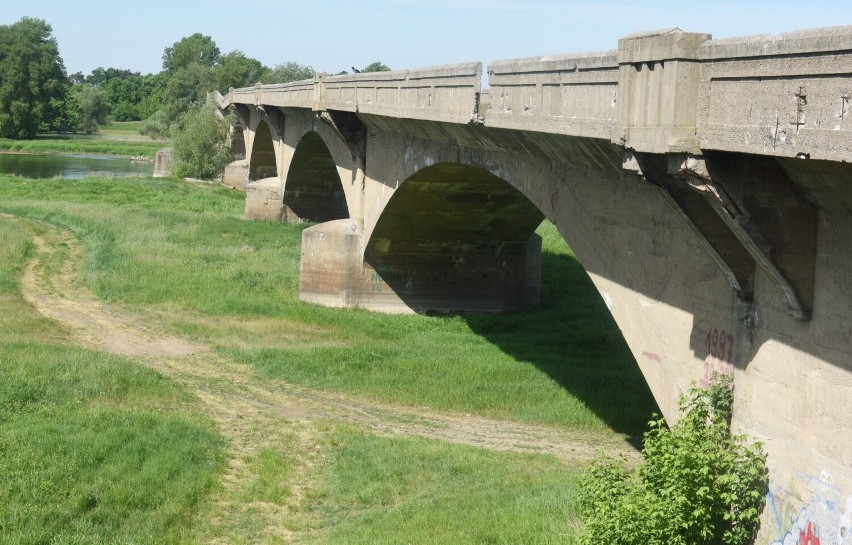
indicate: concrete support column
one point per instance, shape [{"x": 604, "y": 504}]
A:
[
  {"x": 236, "y": 174},
  {"x": 264, "y": 200},
  {"x": 331, "y": 264},
  {"x": 335, "y": 273}
]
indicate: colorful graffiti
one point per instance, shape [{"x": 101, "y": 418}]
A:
[{"x": 824, "y": 520}]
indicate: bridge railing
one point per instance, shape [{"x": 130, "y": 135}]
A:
[
  {"x": 665, "y": 91},
  {"x": 785, "y": 95},
  {"x": 568, "y": 94},
  {"x": 296, "y": 94},
  {"x": 440, "y": 93}
]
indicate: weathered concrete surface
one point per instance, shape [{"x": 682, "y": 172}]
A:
[
  {"x": 236, "y": 174},
  {"x": 264, "y": 200},
  {"x": 703, "y": 184},
  {"x": 163, "y": 163}
]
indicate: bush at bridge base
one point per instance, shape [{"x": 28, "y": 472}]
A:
[
  {"x": 698, "y": 485},
  {"x": 201, "y": 145}
]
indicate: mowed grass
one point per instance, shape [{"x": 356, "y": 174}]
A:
[
  {"x": 183, "y": 253},
  {"x": 93, "y": 449},
  {"x": 409, "y": 490}
]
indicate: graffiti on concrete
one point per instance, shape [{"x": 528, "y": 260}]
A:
[
  {"x": 826, "y": 518},
  {"x": 720, "y": 352}
]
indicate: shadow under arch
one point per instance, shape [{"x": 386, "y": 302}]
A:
[
  {"x": 457, "y": 238},
  {"x": 313, "y": 190},
  {"x": 262, "y": 163},
  {"x": 238, "y": 141}
]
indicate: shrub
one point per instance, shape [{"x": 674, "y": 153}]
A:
[
  {"x": 157, "y": 125},
  {"x": 698, "y": 485},
  {"x": 201, "y": 146}
]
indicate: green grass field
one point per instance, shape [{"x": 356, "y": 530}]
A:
[
  {"x": 180, "y": 254},
  {"x": 120, "y": 138},
  {"x": 93, "y": 448}
]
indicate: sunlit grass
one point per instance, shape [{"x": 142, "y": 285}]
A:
[
  {"x": 93, "y": 449},
  {"x": 105, "y": 144},
  {"x": 407, "y": 490},
  {"x": 183, "y": 253}
]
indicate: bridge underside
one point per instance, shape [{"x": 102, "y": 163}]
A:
[
  {"x": 313, "y": 192},
  {"x": 452, "y": 238}
]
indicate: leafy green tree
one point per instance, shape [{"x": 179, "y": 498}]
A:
[
  {"x": 153, "y": 89},
  {"x": 201, "y": 147},
  {"x": 124, "y": 94},
  {"x": 376, "y": 67},
  {"x": 187, "y": 87},
  {"x": 32, "y": 78},
  {"x": 196, "y": 49},
  {"x": 76, "y": 78},
  {"x": 92, "y": 109},
  {"x": 287, "y": 72},
  {"x": 237, "y": 70},
  {"x": 102, "y": 76},
  {"x": 699, "y": 484}
]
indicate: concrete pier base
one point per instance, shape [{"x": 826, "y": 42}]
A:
[
  {"x": 236, "y": 174},
  {"x": 334, "y": 273},
  {"x": 163, "y": 163},
  {"x": 264, "y": 200}
]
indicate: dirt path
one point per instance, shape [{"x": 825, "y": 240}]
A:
[{"x": 249, "y": 410}]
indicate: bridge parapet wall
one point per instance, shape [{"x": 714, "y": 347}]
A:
[
  {"x": 296, "y": 94},
  {"x": 441, "y": 93},
  {"x": 562, "y": 94},
  {"x": 786, "y": 95}
]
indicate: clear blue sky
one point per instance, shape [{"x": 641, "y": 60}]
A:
[{"x": 332, "y": 35}]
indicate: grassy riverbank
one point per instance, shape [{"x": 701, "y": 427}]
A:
[
  {"x": 93, "y": 448},
  {"x": 181, "y": 256},
  {"x": 114, "y": 139}
]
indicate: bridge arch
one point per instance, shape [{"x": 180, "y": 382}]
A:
[
  {"x": 601, "y": 211},
  {"x": 455, "y": 237},
  {"x": 263, "y": 163},
  {"x": 313, "y": 189},
  {"x": 238, "y": 141}
]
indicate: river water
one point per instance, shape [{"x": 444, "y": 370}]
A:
[{"x": 37, "y": 165}]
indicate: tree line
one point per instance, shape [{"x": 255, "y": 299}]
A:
[{"x": 37, "y": 95}]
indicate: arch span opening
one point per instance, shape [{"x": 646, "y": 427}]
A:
[
  {"x": 238, "y": 142},
  {"x": 455, "y": 238},
  {"x": 262, "y": 163},
  {"x": 313, "y": 190}
]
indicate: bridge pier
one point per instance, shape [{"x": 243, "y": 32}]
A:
[
  {"x": 236, "y": 174},
  {"x": 264, "y": 200},
  {"x": 335, "y": 273}
]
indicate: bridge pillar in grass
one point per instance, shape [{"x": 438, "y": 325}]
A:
[
  {"x": 236, "y": 174},
  {"x": 334, "y": 272},
  {"x": 264, "y": 186}
]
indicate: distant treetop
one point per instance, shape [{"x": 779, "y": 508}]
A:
[
  {"x": 376, "y": 67},
  {"x": 195, "y": 49}
]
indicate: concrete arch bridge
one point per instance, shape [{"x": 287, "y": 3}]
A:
[{"x": 705, "y": 185}]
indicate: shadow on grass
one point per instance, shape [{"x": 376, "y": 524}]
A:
[{"x": 573, "y": 338}]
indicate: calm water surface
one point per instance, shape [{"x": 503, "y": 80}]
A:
[{"x": 71, "y": 166}]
